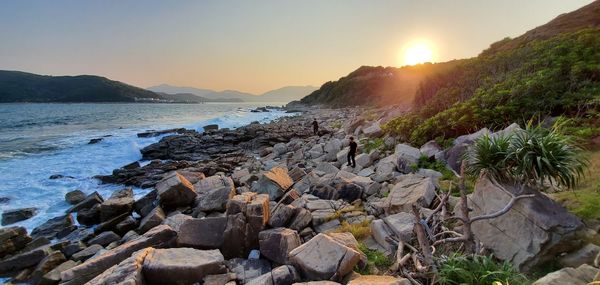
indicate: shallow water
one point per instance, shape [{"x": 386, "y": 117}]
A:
[{"x": 40, "y": 140}]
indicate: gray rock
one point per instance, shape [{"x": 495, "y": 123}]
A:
[
  {"x": 332, "y": 147},
  {"x": 175, "y": 221},
  {"x": 17, "y": 215},
  {"x": 120, "y": 202},
  {"x": 91, "y": 268},
  {"x": 398, "y": 225},
  {"x": 274, "y": 182},
  {"x": 74, "y": 197},
  {"x": 213, "y": 182},
  {"x": 384, "y": 170},
  {"x": 87, "y": 252},
  {"x": 128, "y": 271},
  {"x": 51, "y": 261},
  {"x": 87, "y": 203},
  {"x": 363, "y": 160},
  {"x": 316, "y": 151},
  {"x": 534, "y": 231},
  {"x": 53, "y": 277},
  {"x": 322, "y": 258},
  {"x": 23, "y": 260},
  {"x": 181, "y": 265},
  {"x": 407, "y": 156},
  {"x": 53, "y": 226},
  {"x": 281, "y": 215},
  {"x": 204, "y": 233},
  {"x": 175, "y": 190},
  {"x": 413, "y": 190},
  {"x": 104, "y": 238},
  {"x": 326, "y": 167},
  {"x": 248, "y": 269},
  {"x": 373, "y": 130},
  {"x": 584, "y": 255},
  {"x": 145, "y": 204},
  {"x": 215, "y": 199},
  {"x": 430, "y": 149},
  {"x": 126, "y": 225},
  {"x": 275, "y": 244},
  {"x": 153, "y": 219},
  {"x": 279, "y": 149},
  {"x": 89, "y": 216},
  {"x": 300, "y": 220}
]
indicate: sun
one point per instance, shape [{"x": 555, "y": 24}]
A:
[{"x": 417, "y": 52}]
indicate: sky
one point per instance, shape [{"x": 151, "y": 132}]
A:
[{"x": 251, "y": 46}]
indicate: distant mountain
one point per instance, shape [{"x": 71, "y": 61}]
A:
[
  {"x": 284, "y": 94},
  {"x": 16, "y": 86},
  {"x": 193, "y": 98}
]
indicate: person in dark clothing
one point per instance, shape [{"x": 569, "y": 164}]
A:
[
  {"x": 352, "y": 152},
  {"x": 315, "y": 126}
]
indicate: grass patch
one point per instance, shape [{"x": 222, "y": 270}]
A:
[
  {"x": 360, "y": 231},
  {"x": 336, "y": 124},
  {"x": 375, "y": 259},
  {"x": 478, "y": 270},
  {"x": 584, "y": 200},
  {"x": 433, "y": 164}
]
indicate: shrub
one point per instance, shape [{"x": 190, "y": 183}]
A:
[
  {"x": 478, "y": 270},
  {"x": 375, "y": 259}
]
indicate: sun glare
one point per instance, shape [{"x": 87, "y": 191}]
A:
[{"x": 417, "y": 52}]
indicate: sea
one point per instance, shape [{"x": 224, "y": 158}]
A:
[{"x": 40, "y": 140}]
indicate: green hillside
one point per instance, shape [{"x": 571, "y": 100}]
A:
[{"x": 18, "y": 86}]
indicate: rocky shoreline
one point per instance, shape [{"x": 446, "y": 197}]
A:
[{"x": 275, "y": 204}]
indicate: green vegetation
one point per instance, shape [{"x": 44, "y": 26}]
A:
[
  {"x": 584, "y": 201},
  {"x": 369, "y": 145},
  {"x": 558, "y": 76},
  {"x": 425, "y": 162},
  {"x": 478, "y": 270},
  {"x": 375, "y": 259},
  {"x": 336, "y": 124},
  {"x": 26, "y": 87},
  {"x": 533, "y": 156}
]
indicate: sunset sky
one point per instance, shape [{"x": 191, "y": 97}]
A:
[{"x": 251, "y": 46}]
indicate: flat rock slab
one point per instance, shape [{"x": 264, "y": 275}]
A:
[
  {"x": 181, "y": 265},
  {"x": 378, "y": 280},
  {"x": 128, "y": 271},
  {"x": 413, "y": 190},
  {"x": 323, "y": 258},
  {"x": 204, "y": 233}
]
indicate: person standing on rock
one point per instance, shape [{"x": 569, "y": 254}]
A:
[
  {"x": 352, "y": 152},
  {"x": 315, "y": 126}
]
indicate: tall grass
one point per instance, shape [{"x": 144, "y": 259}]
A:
[{"x": 478, "y": 270}]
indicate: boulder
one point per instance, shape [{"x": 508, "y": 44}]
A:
[
  {"x": 407, "y": 156},
  {"x": 49, "y": 262},
  {"x": 398, "y": 225},
  {"x": 213, "y": 182},
  {"x": 349, "y": 192},
  {"x": 327, "y": 168},
  {"x": 87, "y": 252},
  {"x": 430, "y": 149},
  {"x": 533, "y": 232},
  {"x": 322, "y": 258},
  {"x": 412, "y": 190},
  {"x": 276, "y": 244},
  {"x": 54, "y": 226},
  {"x": 175, "y": 191},
  {"x": 373, "y": 130},
  {"x": 316, "y": 151},
  {"x": 204, "y": 233},
  {"x": 274, "y": 182},
  {"x": 17, "y": 215},
  {"x": 279, "y": 149},
  {"x": 281, "y": 275},
  {"x": 74, "y": 197},
  {"x": 332, "y": 147},
  {"x": 91, "y": 268},
  {"x": 215, "y": 199},
  {"x": 324, "y": 191},
  {"x": 300, "y": 220},
  {"x": 128, "y": 271},
  {"x": 105, "y": 238},
  {"x": 23, "y": 260},
  {"x": 89, "y": 216},
  {"x": 120, "y": 202},
  {"x": 581, "y": 275},
  {"x": 211, "y": 128},
  {"x": 384, "y": 170},
  {"x": 53, "y": 276},
  {"x": 281, "y": 215},
  {"x": 153, "y": 219},
  {"x": 363, "y": 160},
  {"x": 248, "y": 269},
  {"x": 128, "y": 224},
  {"x": 181, "y": 265},
  {"x": 145, "y": 204},
  {"x": 13, "y": 239},
  {"x": 175, "y": 221}
]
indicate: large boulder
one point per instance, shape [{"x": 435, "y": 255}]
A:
[
  {"x": 17, "y": 215},
  {"x": 152, "y": 219},
  {"x": 332, "y": 147},
  {"x": 279, "y": 149},
  {"x": 247, "y": 216},
  {"x": 13, "y": 239},
  {"x": 23, "y": 260},
  {"x": 407, "y": 156},
  {"x": 213, "y": 182},
  {"x": 378, "y": 280},
  {"x": 74, "y": 197},
  {"x": 385, "y": 168},
  {"x": 534, "y": 231},
  {"x": 431, "y": 149},
  {"x": 174, "y": 191},
  {"x": 204, "y": 233},
  {"x": 104, "y": 239},
  {"x": 412, "y": 190},
  {"x": 316, "y": 151},
  {"x": 120, "y": 202},
  {"x": 363, "y": 160},
  {"x": 274, "y": 182},
  {"x": 398, "y": 225},
  {"x": 52, "y": 227},
  {"x": 582, "y": 275},
  {"x": 276, "y": 244},
  {"x": 215, "y": 199},
  {"x": 128, "y": 271},
  {"x": 374, "y": 130},
  {"x": 89, "y": 201},
  {"x": 248, "y": 269},
  {"x": 181, "y": 265},
  {"x": 86, "y": 271},
  {"x": 323, "y": 258}
]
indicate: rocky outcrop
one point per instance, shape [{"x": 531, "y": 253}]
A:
[
  {"x": 276, "y": 244},
  {"x": 412, "y": 190},
  {"x": 120, "y": 202},
  {"x": 274, "y": 182},
  {"x": 534, "y": 231},
  {"x": 206, "y": 233},
  {"x": 181, "y": 265},
  {"x": 17, "y": 215},
  {"x": 582, "y": 275},
  {"x": 175, "y": 190}
]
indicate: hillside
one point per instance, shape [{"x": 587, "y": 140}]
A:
[
  {"x": 16, "y": 86},
  {"x": 284, "y": 94},
  {"x": 378, "y": 86},
  {"x": 193, "y": 98}
]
